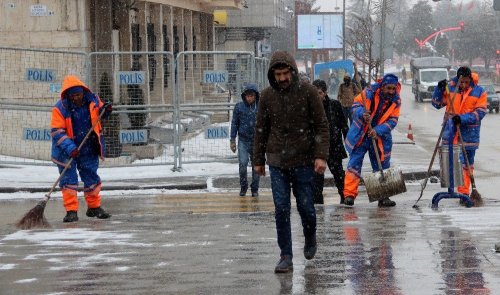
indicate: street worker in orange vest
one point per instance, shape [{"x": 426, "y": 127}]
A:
[
  {"x": 467, "y": 111},
  {"x": 378, "y": 105},
  {"x": 72, "y": 118}
]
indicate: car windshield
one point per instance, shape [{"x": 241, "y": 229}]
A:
[
  {"x": 433, "y": 76},
  {"x": 489, "y": 88}
]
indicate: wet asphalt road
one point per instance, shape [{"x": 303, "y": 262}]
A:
[{"x": 219, "y": 243}]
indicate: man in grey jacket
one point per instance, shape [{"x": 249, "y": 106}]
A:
[{"x": 291, "y": 135}]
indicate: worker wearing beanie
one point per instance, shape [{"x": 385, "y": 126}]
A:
[{"x": 378, "y": 105}]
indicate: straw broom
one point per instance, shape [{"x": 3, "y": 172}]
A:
[{"x": 35, "y": 217}]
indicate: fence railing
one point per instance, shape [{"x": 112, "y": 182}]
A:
[{"x": 168, "y": 110}]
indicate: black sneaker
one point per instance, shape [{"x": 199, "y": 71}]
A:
[
  {"x": 342, "y": 199},
  {"x": 98, "y": 212},
  {"x": 255, "y": 194},
  {"x": 386, "y": 203},
  {"x": 71, "y": 216},
  {"x": 349, "y": 201},
  {"x": 243, "y": 192},
  {"x": 284, "y": 265},
  {"x": 310, "y": 247}
]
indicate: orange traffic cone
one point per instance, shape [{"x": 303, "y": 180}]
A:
[{"x": 409, "y": 135}]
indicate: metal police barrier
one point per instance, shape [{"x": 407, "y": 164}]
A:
[
  {"x": 261, "y": 69},
  {"x": 30, "y": 82},
  {"x": 162, "y": 115},
  {"x": 208, "y": 84},
  {"x": 141, "y": 87}
]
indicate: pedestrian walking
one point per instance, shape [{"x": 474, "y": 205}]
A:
[
  {"x": 377, "y": 106},
  {"x": 73, "y": 116},
  {"x": 338, "y": 128},
  {"x": 403, "y": 74},
  {"x": 468, "y": 109},
  {"x": 292, "y": 136},
  {"x": 347, "y": 91},
  {"x": 243, "y": 126}
]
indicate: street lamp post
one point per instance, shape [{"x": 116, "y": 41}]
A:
[
  {"x": 382, "y": 39},
  {"x": 343, "y": 31}
]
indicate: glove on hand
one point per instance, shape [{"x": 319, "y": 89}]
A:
[
  {"x": 456, "y": 120},
  {"x": 366, "y": 117},
  {"x": 108, "y": 106},
  {"x": 233, "y": 146},
  {"x": 74, "y": 153},
  {"x": 442, "y": 84}
]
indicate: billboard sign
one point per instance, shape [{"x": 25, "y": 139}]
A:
[{"x": 319, "y": 31}]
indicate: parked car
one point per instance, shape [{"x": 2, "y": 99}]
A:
[{"x": 493, "y": 100}]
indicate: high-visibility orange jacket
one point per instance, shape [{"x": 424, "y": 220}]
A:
[
  {"x": 62, "y": 125},
  {"x": 471, "y": 105}
]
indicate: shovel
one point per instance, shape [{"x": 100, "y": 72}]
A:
[{"x": 383, "y": 183}]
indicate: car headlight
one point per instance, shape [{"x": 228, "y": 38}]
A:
[{"x": 422, "y": 88}]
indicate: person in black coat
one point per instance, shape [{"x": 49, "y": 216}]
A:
[{"x": 337, "y": 124}]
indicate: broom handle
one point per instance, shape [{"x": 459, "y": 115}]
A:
[
  {"x": 373, "y": 141},
  {"x": 71, "y": 159}
]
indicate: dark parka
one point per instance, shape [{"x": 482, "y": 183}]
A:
[
  {"x": 338, "y": 127},
  {"x": 291, "y": 128}
]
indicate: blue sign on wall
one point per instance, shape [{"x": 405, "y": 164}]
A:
[
  {"x": 133, "y": 136},
  {"x": 217, "y": 132},
  {"x": 40, "y": 75},
  {"x": 131, "y": 77},
  {"x": 36, "y": 134},
  {"x": 212, "y": 77}
]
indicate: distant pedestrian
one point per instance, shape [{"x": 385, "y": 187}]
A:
[
  {"x": 347, "y": 92},
  {"x": 292, "y": 136},
  {"x": 378, "y": 106},
  {"x": 403, "y": 74},
  {"x": 243, "y": 126},
  {"x": 359, "y": 80},
  {"x": 337, "y": 124},
  {"x": 72, "y": 118}
]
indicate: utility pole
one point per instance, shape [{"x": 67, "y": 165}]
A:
[
  {"x": 382, "y": 39},
  {"x": 343, "y": 31}
]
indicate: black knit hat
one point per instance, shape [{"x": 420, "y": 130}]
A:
[
  {"x": 464, "y": 72},
  {"x": 320, "y": 84}
]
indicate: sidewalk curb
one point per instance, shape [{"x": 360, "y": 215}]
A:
[{"x": 218, "y": 182}]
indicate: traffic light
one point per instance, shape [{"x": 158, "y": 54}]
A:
[{"x": 462, "y": 24}]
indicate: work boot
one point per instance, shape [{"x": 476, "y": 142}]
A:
[
  {"x": 98, "y": 212},
  {"x": 71, "y": 216},
  {"x": 284, "y": 265},
  {"x": 243, "y": 192},
  {"x": 349, "y": 201},
  {"x": 342, "y": 199},
  {"x": 310, "y": 247},
  {"x": 386, "y": 203},
  {"x": 255, "y": 194}
]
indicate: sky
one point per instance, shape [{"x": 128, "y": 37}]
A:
[{"x": 329, "y": 5}]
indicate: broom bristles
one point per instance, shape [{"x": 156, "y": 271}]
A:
[
  {"x": 475, "y": 197},
  {"x": 34, "y": 218}
]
